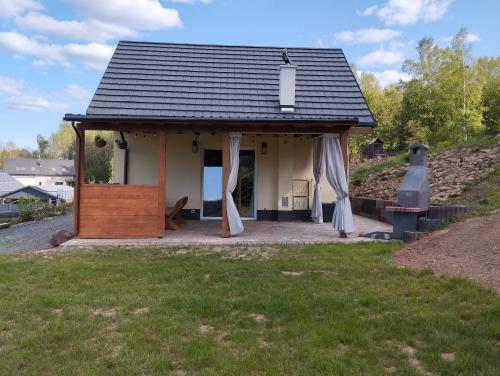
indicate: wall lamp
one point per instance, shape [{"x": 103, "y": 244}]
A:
[
  {"x": 194, "y": 145},
  {"x": 263, "y": 148}
]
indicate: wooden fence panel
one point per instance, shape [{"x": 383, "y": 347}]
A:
[{"x": 119, "y": 211}]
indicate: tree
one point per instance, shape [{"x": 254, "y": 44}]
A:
[
  {"x": 98, "y": 161},
  {"x": 442, "y": 103},
  {"x": 385, "y": 105},
  {"x": 11, "y": 150},
  {"x": 491, "y": 104},
  {"x": 43, "y": 146},
  {"x": 63, "y": 142}
]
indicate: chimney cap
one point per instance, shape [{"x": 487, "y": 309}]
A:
[{"x": 285, "y": 57}]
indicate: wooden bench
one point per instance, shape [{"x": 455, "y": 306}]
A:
[{"x": 174, "y": 214}]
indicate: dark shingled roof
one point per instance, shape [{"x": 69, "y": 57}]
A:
[
  {"x": 29, "y": 191},
  {"x": 8, "y": 183},
  {"x": 35, "y": 166},
  {"x": 185, "y": 81}
]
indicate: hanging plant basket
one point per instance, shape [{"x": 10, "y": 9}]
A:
[
  {"x": 100, "y": 142},
  {"x": 121, "y": 144}
]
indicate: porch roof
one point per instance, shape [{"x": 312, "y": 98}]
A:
[{"x": 166, "y": 81}]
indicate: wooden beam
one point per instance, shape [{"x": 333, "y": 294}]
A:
[
  {"x": 360, "y": 130},
  {"x": 220, "y": 127},
  {"x": 343, "y": 147},
  {"x": 226, "y": 165},
  {"x": 162, "y": 159},
  {"x": 78, "y": 167}
]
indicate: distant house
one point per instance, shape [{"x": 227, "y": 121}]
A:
[
  {"x": 64, "y": 192},
  {"x": 8, "y": 183},
  {"x": 33, "y": 171},
  {"x": 374, "y": 149},
  {"x": 29, "y": 192}
]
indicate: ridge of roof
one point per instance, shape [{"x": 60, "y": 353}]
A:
[{"x": 227, "y": 45}]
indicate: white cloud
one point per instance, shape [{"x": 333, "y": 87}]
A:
[
  {"x": 381, "y": 57},
  {"x": 22, "y": 99},
  {"x": 368, "y": 11},
  {"x": 104, "y": 20},
  {"x": 390, "y": 76},
  {"x": 371, "y": 35},
  {"x": 10, "y": 85},
  {"x": 409, "y": 12},
  {"x": 12, "y": 8},
  {"x": 319, "y": 43},
  {"x": 191, "y": 2},
  {"x": 92, "y": 30},
  {"x": 92, "y": 55},
  {"x": 76, "y": 92},
  {"x": 469, "y": 38},
  {"x": 32, "y": 103},
  {"x": 135, "y": 14}
]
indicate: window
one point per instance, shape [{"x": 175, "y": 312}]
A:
[{"x": 59, "y": 183}]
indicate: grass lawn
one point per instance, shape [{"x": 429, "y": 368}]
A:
[{"x": 336, "y": 309}]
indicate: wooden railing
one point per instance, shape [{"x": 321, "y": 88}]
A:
[{"x": 121, "y": 211}]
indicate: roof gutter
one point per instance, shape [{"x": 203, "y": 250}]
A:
[{"x": 350, "y": 121}]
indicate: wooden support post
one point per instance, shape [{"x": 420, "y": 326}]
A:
[
  {"x": 343, "y": 147},
  {"x": 80, "y": 176},
  {"x": 226, "y": 166},
  {"x": 76, "y": 195},
  {"x": 161, "y": 183}
]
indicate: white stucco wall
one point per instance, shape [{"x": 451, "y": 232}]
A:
[
  {"x": 42, "y": 179},
  {"x": 288, "y": 158},
  {"x": 302, "y": 162},
  {"x": 143, "y": 151}
]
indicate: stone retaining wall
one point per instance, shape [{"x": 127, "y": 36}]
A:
[{"x": 437, "y": 215}]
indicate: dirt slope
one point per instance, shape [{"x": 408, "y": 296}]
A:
[
  {"x": 449, "y": 173},
  {"x": 470, "y": 249}
]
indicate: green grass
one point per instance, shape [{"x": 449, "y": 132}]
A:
[
  {"x": 350, "y": 311},
  {"x": 377, "y": 167},
  {"x": 478, "y": 142},
  {"x": 482, "y": 193}
]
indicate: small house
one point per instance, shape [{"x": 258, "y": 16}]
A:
[
  {"x": 35, "y": 171},
  {"x": 30, "y": 191},
  {"x": 239, "y": 133},
  {"x": 374, "y": 149}
]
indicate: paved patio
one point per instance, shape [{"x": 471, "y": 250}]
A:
[{"x": 256, "y": 232}]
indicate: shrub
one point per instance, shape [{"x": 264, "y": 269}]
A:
[{"x": 28, "y": 208}]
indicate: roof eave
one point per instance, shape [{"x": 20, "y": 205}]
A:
[{"x": 84, "y": 118}]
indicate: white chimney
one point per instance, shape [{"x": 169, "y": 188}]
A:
[{"x": 287, "y": 87}]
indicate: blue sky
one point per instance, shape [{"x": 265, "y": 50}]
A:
[{"x": 53, "y": 52}]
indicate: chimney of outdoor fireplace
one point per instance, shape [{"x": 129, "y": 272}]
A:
[{"x": 287, "y": 83}]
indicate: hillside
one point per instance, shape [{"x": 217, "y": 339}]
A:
[{"x": 451, "y": 173}]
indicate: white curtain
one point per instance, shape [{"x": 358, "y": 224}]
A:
[
  {"x": 235, "y": 224},
  {"x": 335, "y": 174},
  {"x": 318, "y": 168}
]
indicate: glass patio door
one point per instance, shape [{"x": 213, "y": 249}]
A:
[{"x": 244, "y": 193}]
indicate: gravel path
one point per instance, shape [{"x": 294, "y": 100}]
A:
[
  {"x": 34, "y": 235},
  {"x": 470, "y": 249}
]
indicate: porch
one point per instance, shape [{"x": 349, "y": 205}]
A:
[
  {"x": 193, "y": 233},
  {"x": 160, "y": 164}
]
